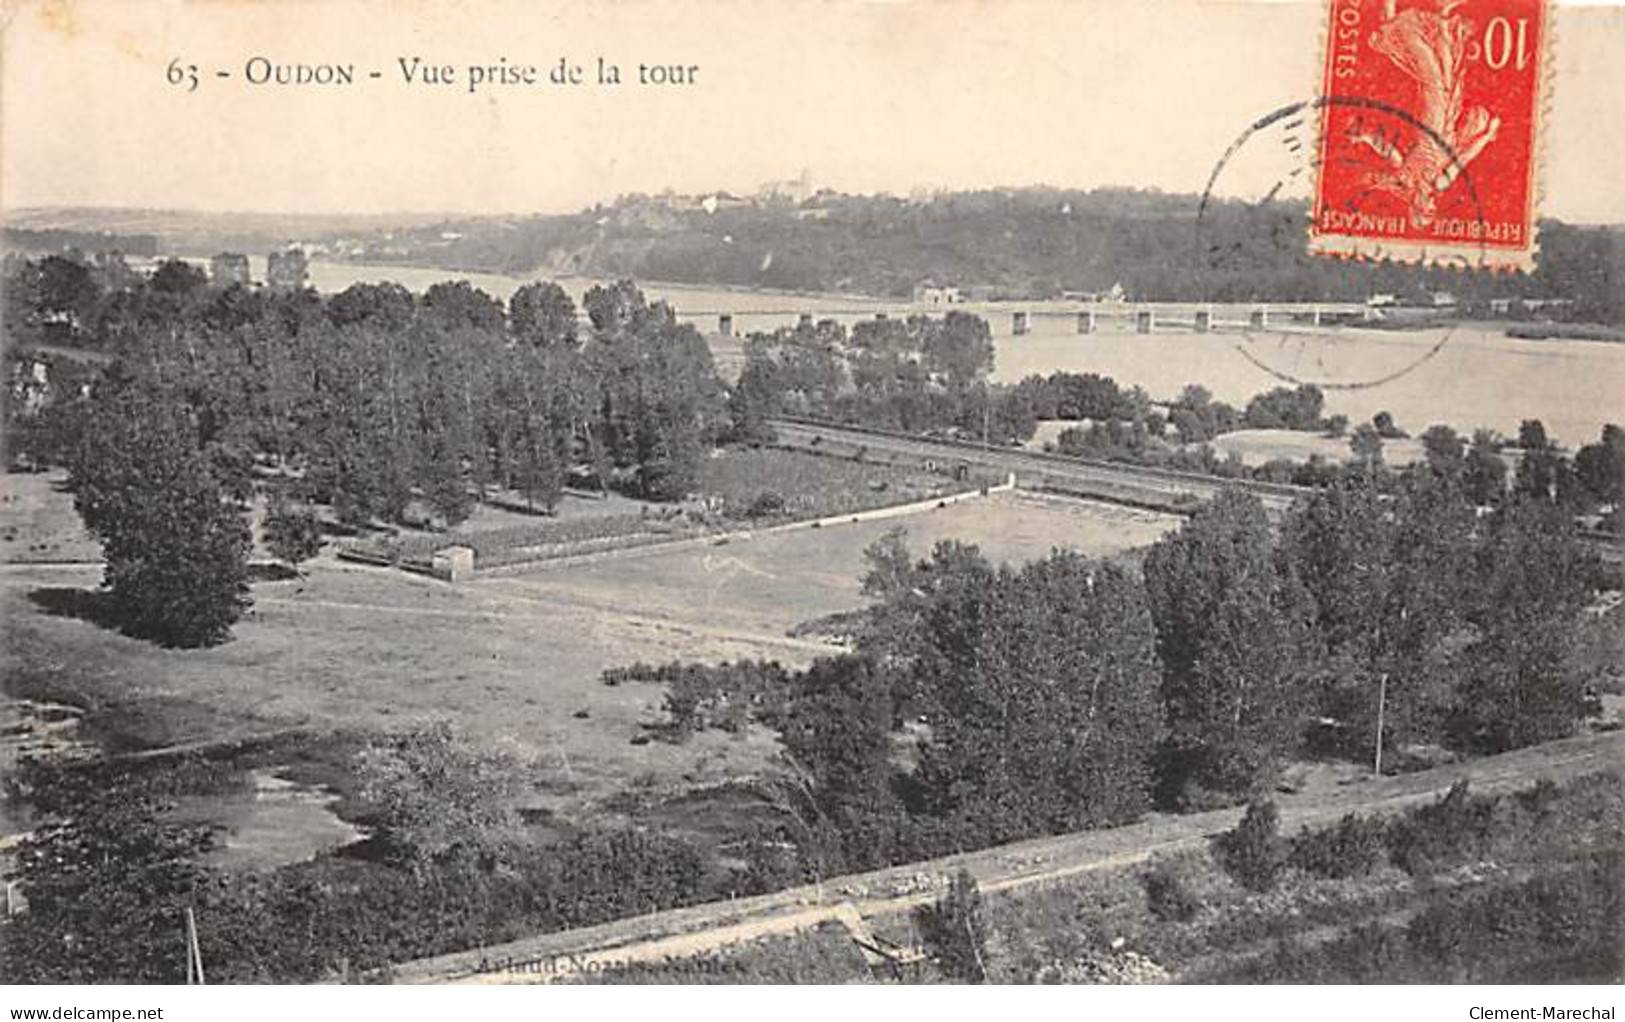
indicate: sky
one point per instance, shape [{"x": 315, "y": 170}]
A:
[{"x": 866, "y": 95}]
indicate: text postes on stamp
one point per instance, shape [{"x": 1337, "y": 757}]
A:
[{"x": 1429, "y": 131}]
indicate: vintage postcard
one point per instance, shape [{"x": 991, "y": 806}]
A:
[{"x": 1058, "y": 494}]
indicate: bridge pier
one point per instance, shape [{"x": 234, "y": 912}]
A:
[
  {"x": 1204, "y": 320},
  {"x": 1317, "y": 315},
  {"x": 804, "y": 320},
  {"x": 1086, "y": 321},
  {"x": 1145, "y": 320},
  {"x": 1018, "y": 323},
  {"x": 725, "y": 325},
  {"x": 1258, "y": 319}
]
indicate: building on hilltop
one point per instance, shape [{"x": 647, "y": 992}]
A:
[{"x": 930, "y": 293}]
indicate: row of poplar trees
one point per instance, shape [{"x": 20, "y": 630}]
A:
[{"x": 373, "y": 401}]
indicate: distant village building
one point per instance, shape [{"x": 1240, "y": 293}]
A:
[
  {"x": 798, "y": 189},
  {"x": 934, "y": 294},
  {"x": 229, "y": 268},
  {"x": 289, "y": 269},
  {"x": 1382, "y": 299},
  {"x": 722, "y": 200},
  {"x": 1117, "y": 294}
]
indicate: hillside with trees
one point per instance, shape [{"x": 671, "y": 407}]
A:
[{"x": 1034, "y": 242}]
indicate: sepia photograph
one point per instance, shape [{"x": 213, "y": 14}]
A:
[{"x": 912, "y": 493}]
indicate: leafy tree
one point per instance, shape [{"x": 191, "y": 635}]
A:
[
  {"x": 837, "y": 734},
  {"x": 1233, "y": 639},
  {"x": 1484, "y": 472},
  {"x": 461, "y": 304},
  {"x": 292, "y": 534},
  {"x": 176, "y": 550},
  {"x": 662, "y": 402},
  {"x": 66, "y": 296},
  {"x": 433, "y": 799},
  {"x": 1284, "y": 408},
  {"x": 1524, "y": 680},
  {"x": 1600, "y": 467},
  {"x": 1254, "y": 853},
  {"x": 1540, "y": 467},
  {"x": 542, "y": 315},
  {"x": 1389, "y": 578},
  {"x": 1444, "y": 450},
  {"x": 1366, "y": 444},
  {"x": 1041, "y": 692},
  {"x": 389, "y": 306},
  {"x": 178, "y": 277},
  {"x": 959, "y": 347}
]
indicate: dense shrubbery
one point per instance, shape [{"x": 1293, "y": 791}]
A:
[
  {"x": 1254, "y": 852},
  {"x": 1458, "y": 826},
  {"x": 1354, "y": 847},
  {"x": 1564, "y": 926},
  {"x": 726, "y": 696},
  {"x": 954, "y": 930},
  {"x": 1168, "y": 895},
  {"x": 108, "y": 886},
  {"x": 293, "y": 534}
]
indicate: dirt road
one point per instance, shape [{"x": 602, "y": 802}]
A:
[{"x": 707, "y": 928}]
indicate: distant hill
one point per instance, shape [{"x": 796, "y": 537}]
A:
[
  {"x": 1016, "y": 243},
  {"x": 190, "y": 232},
  {"x": 1019, "y": 243},
  {"x": 58, "y": 239}
]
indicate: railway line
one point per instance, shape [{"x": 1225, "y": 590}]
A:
[{"x": 1142, "y": 486}]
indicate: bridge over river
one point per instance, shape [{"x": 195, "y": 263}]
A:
[{"x": 1142, "y": 317}]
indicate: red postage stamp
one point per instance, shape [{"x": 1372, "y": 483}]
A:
[{"x": 1430, "y": 131}]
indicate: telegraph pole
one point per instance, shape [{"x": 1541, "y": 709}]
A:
[
  {"x": 1382, "y": 705},
  {"x": 194, "y": 954}
]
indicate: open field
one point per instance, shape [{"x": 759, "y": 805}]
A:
[
  {"x": 770, "y": 583},
  {"x": 512, "y": 661},
  {"x": 737, "y": 486},
  {"x": 38, "y": 523},
  {"x": 1256, "y": 446}
]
